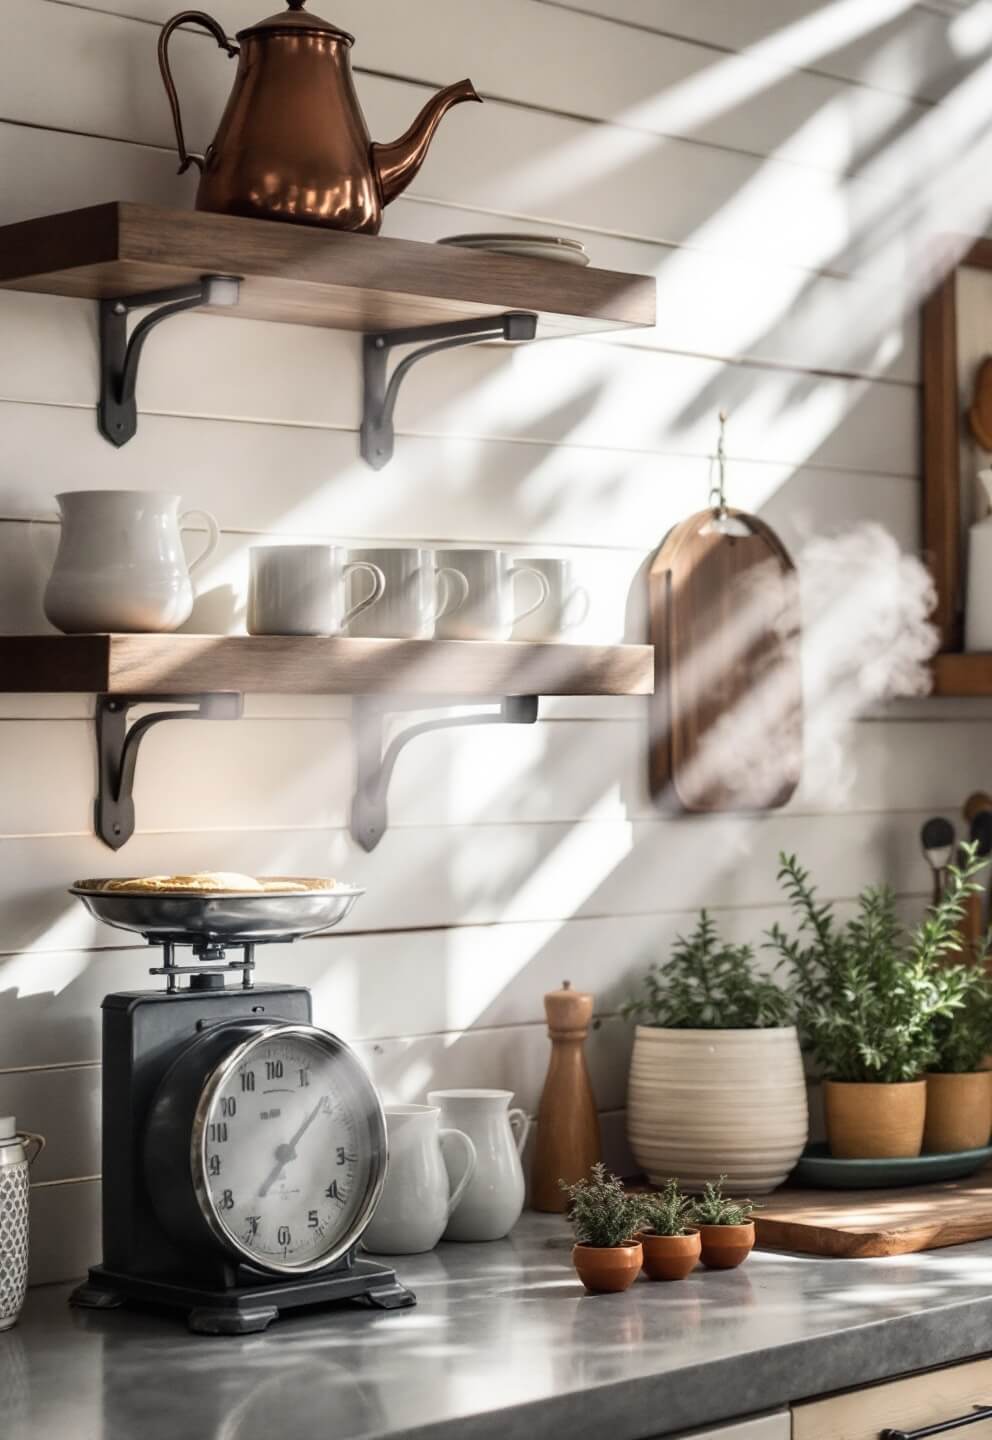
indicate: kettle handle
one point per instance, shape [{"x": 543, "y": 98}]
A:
[{"x": 214, "y": 28}]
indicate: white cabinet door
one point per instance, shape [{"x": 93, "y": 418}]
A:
[{"x": 769, "y": 1427}]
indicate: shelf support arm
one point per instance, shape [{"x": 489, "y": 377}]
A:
[
  {"x": 374, "y": 767},
  {"x": 379, "y": 406},
  {"x": 117, "y": 415},
  {"x": 117, "y": 750}
]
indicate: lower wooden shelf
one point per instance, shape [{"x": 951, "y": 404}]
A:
[
  {"x": 963, "y": 675},
  {"x": 289, "y": 664}
]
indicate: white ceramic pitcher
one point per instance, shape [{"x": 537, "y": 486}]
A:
[
  {"x": 120, "y": 564},
  {"x": 418, "y": 1198},
  {"x": 494, "y": 1199}
]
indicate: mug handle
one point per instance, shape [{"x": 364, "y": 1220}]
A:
[
  {"x": 582, "y": 595},
  {"x": 377, "y": 592},
  {"x": 545, "y": 590},
  {"x": 521, "y": 1118},
  {"x": 471, "y": 1160},
  {"x": 445, "y": 576},
  {"x": 213, "y": 536},
  {"x": 27, "y": 1139}
]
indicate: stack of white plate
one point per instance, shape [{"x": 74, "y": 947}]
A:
[{"x": 531, "y": 247}]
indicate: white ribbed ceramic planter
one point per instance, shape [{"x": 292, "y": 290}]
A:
[{"x": 703, "y": 1103}]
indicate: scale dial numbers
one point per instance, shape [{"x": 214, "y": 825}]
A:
[{"x": 282, "y": 1159}]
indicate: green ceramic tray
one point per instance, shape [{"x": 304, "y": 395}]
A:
[{"x": 818, "y": 1169}]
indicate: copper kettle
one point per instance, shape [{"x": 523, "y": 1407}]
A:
[{"x": 293, "y": 144}]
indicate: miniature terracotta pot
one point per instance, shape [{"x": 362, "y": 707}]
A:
[
  {"x": 724, "y": 1247},
  {"x": 669, "y": 1257},
  {"x": 959, "y": 1112},
  {"x": 875, "y": 1122},
  {"x": 604, "y": 1270}
]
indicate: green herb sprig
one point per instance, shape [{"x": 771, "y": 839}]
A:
[
  {"x": 709, "y": 984},
  {"x": 713, "y": 1207},
  {"x": 876, "y": 1002},
  {"x": 667, "y": 1213},
  {"x": 602, "y": 1213}
]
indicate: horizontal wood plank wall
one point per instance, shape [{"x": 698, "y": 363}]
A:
[{"x": 753, "y": 159}]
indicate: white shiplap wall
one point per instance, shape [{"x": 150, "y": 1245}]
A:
[{"x": 776, "y": 166}]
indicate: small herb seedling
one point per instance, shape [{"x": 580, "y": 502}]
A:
[
  {"x": 603, "y": 1215},
  {"x": 715, "y": 1208},
  {"x": 667, "y": 1213}
]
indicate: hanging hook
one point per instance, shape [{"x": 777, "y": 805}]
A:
[{"x": 718, "y": 492}]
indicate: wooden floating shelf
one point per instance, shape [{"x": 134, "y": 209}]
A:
[
  {"x": 277, "y": 664},
  {"x": 962, "y": 675},
  {"x": 306, "y": 276}
]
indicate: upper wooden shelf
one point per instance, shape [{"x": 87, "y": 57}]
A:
[
  {"x": 278, "y": 664},
  {"x": 962, "y": 674},
  {"x": 306, "y": 276}
]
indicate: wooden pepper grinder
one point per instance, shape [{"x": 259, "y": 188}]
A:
[{"x": 567, "y": 1142}]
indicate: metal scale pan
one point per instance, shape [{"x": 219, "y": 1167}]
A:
[{"x": 218, "y": 918}]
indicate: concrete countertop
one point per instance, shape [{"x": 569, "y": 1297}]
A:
[{"x": 503, "y": 1343}]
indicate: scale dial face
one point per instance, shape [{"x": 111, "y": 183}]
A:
[{"x": 288, "y": 1149}]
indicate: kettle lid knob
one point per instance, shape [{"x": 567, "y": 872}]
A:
[{"x": 295, "y": 20}]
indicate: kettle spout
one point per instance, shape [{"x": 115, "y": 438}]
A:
[{"x": 396, "y": 165}]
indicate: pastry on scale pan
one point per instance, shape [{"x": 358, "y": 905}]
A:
[{"x": 210, "y": 883}]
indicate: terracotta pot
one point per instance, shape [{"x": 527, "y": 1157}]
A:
[
  {"x": 717, "y": 1102},
  {"x": 724, "y": 1247},
  {"x": 669, "y": 1257},
  {"x": 959, "y": 1112},
  {"x": 608, "y": 1269},
  {"x": 875, "y": 1122}
]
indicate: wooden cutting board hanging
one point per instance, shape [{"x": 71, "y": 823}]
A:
[{"x": 726, "y": 715}]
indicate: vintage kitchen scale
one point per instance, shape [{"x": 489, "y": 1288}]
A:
[{"x": 244, "y": 1149}]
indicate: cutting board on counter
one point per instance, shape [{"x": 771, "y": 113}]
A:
[{"x": 863, "y": 1224}]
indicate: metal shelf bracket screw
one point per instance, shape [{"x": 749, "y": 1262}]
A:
[
  {"x": 117, "y": 415},
  {"x": 374, "y": 766},
  {"x": 117, "y": 750},
  {"x": 379, "y": 406}
]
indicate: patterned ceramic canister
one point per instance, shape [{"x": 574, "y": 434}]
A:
[{"x": 17, "y": 1152}]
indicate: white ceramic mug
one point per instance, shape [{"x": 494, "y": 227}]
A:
[
  {"x": 418, "y": 1197},
  {"x": 487, "y": 612},
  {"x": 121, "y": 565},
  {"x": 494, "y": 1198},
  {"x": 300, "y": 589},
  {"x": 565, "y": 607},
  {"x": 418, "y": 593}
]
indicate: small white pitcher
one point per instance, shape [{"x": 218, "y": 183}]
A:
[
  {"x": 492, "y": 1203},
  {"x": 120, "y": 564},
  {"x": 417, "y": 1199}
]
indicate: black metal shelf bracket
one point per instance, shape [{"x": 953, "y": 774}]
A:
[
  {"x": 117, "y": 415},
  {"x": 117, "y": 750},
  {"x": 374, "y": 766},
  {"x": 379, "y": 405}
]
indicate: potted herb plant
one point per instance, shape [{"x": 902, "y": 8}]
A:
[
  {"x": 959, "y": 1092},
  {"x": 726, "y": 1227},
  {"x": 870, "y": 998},
  {"x": 670, "y": 1243},
  {"x": 604, "y": 1218},
  {"x": 716, "y": 1077}
]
